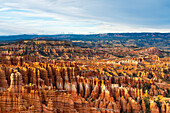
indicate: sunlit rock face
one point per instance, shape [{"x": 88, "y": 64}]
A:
[
  {"x": 102, "y": 84},
  {"x": 16, "y": 82}
]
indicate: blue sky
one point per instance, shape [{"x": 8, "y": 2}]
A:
[{"x": 83, "y": 16}]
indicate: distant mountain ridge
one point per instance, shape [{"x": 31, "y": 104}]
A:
[
  {"x": 87, "y": 36},
  {"x": 159, "y": 40}
]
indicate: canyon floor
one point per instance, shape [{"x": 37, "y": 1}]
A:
[{"x": 56, "y": 76}]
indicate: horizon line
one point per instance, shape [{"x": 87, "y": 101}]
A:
[{"x": 87, "y": 33}]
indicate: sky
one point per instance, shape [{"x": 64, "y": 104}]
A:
[{"x": 83, "y": 16}]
